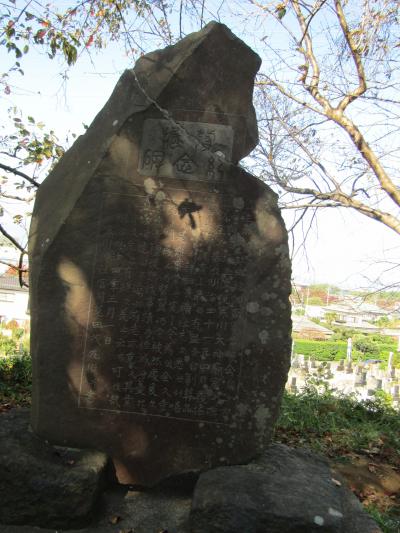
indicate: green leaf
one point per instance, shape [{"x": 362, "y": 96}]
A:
[{"x": 281, "y": 12}]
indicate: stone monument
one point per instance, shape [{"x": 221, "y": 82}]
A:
[{"x": 160, "y": 276}]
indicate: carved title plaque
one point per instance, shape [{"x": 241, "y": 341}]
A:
[{"x": 185, "y": 150}]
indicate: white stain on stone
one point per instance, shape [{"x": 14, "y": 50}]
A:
[
  {"x": 238, "y": 203},
  {"x": 253, "y": 307},
  {"x": 266, "y": 311},
  {"x": 263, "y": 336},
  {"x": 319, "y": 520},
  {"x": 241, "y": 409},
  {"x": 115, "y": 122},
  {"x": 160, "y": 196},
  {"x": 149, "y": 185},
  {"x": 261, "y": 416},
  {"x": 335, "y": 512}
]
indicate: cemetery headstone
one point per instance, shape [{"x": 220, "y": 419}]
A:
[
  {"x": 358, "y": 379},
  {"x": 349, "y": 349},
  {"x": 293, "y": 385},
  {"x": 160, "y": 276},
  {"x": 390, "y": 365}
]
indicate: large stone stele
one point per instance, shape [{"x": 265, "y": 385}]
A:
[{"x": 159, "y": 273}]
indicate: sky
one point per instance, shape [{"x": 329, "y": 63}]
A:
[{"x": 343, "y": 248}]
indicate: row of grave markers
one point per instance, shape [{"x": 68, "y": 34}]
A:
[{"x": 346, "y": 377}]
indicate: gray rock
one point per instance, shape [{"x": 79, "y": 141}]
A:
[
  {"x": 124, "y": 510},
  {"x": 286, "y": 491},
  {"x": 43, "y": 485},
  {"x": 160, "y": 274}
]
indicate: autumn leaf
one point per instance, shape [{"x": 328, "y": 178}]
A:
[{"x": 40, "y": 34}]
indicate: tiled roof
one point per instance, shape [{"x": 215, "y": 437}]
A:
[
  {"x": 11, "y": 283},
  {"x": 303, "y": 323}
]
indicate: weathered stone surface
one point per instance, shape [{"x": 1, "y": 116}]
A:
[
  {"x": 286, "y": 491},
  {"x": 160, "y": 273},
  {"x": 124, "y": 511},
  {"x": 43, "y": 485}
]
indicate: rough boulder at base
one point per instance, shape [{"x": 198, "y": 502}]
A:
[{"x": 160, "y": 276}]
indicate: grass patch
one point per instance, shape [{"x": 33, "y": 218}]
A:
[
  {"x": 334, "y": 425},
  {"x": 342, "y": 428},
  {"x": 387, "y": 522}
]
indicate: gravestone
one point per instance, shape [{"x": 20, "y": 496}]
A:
[
  {"x": 160, "y": 276},
  {"x": 293, "y": 385}
]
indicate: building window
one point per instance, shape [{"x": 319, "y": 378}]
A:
[{"x": 7, "y": 296}]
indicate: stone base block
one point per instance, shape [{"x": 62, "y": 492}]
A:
[
  {"x": 44, "y": 485},
  {"x": 286, "y": 491}
]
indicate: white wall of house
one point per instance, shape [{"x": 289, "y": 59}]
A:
[{"x": 13, "y": 305}]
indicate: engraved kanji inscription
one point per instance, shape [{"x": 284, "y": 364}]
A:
[
  {"x": 159, "y": 345},
  {"x": 186, "y": 150}
]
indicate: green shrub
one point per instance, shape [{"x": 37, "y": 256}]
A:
[
  {"x": 17, "y": 333},
  {"x": 342, "y": 334},
  {"x": 334, "y": 350},
  {"x": 8, "y": 346},
  {"x": 367, "y": 347},
  {"x": 15, "y": 370},
  {"x": 321, "y": 350}
]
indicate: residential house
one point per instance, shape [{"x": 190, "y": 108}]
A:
[{"x": 14, "y": 300}]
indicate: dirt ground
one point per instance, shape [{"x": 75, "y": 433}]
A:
[{"x": 374, "y": 480}]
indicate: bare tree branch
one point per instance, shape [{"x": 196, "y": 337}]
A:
[{"x": 17, "y": 172}]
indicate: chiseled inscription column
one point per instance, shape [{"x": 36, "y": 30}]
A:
[{"x": 164, "y": 308}]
